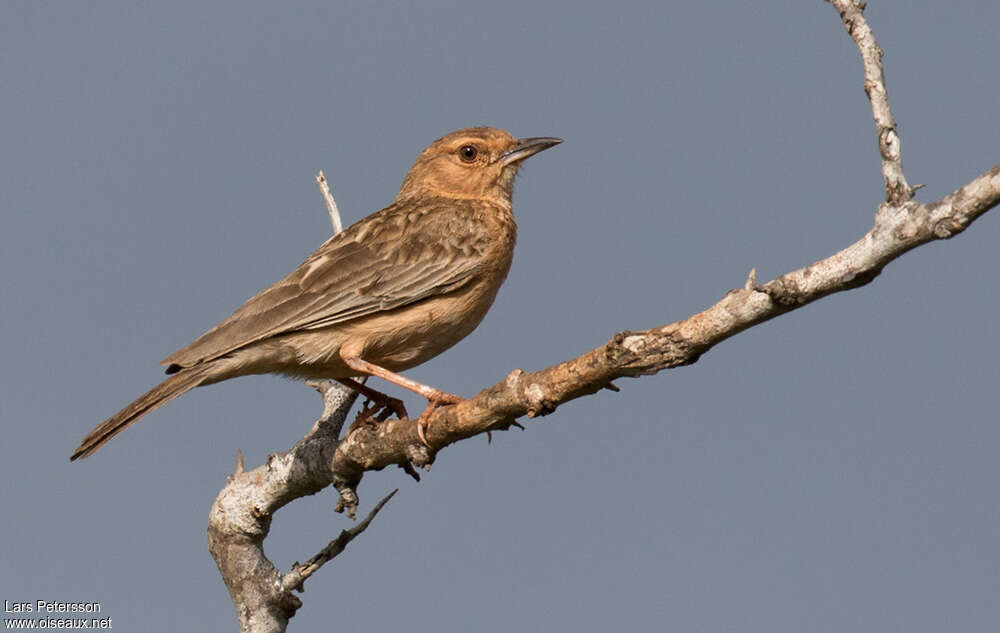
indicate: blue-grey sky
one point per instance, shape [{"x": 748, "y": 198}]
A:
[{"x": 832, "y": 470}]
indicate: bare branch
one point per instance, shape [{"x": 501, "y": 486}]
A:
[
  {"x": 896, "y": 231},
  {"x": 241, "y": 515},
  {"x": 300, "y": 573},
  {"x": 331, "y": 204},
  {"x": 897, "y": 191},
  {"x": 240, "y": 518}
]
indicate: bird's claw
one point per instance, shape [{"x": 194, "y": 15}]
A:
[
  {"x": 439, "y": 399},
  {"x": 397, "y": 407},
  {"x": 381, "y": 408}
]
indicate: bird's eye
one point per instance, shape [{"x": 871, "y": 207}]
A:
[{"x": 468, "y": 153}]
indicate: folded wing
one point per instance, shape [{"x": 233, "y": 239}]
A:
[{"x": 388, "y": 260}]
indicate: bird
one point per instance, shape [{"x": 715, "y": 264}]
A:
[{"x": 390, "y": 292}]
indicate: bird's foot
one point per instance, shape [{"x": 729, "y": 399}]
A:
[
  {"x": 378, "y": 398},
  {"x": 434, "y": 400},
  {"x": 396, "y": 406}
]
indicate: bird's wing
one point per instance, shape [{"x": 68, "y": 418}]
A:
[{"x": 390, "y": 259}]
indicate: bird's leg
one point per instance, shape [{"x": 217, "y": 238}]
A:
[
  {"x": 435, "y": 397},
  {"x": 432, "y": 394},
  {"x": 377, "y": 397}
]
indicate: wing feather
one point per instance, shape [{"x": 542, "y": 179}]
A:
[{"x": 388, "y": 260}]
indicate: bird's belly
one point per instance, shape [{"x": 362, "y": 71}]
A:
[
  {"x": 395, "y": 339},
  {"x": 411, "y": 335}
]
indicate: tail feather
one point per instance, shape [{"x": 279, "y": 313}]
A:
[{"x": 179, "y": 383}]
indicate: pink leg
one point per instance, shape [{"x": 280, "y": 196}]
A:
[{"x": 435, "y": 397}]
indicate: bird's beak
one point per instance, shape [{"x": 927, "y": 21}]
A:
[{"x": 526, "y": 147}]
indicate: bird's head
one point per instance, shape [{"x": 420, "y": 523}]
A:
[{"x": 478, "y": 162}]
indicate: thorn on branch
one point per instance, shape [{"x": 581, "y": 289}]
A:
[
  {"x": 504, "y": 427},
  {"x": 239, "y": 467},
  {"x": 410, "y": 470}
]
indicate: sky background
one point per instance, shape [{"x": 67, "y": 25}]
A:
[{"x": 832, "y": 470}]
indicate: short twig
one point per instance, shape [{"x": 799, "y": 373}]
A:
[
  {"x": 331, "y": 204},
  {"x": 300, "y": 572}
]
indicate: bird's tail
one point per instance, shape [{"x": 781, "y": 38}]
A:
[{"x": 179, "y": 383}]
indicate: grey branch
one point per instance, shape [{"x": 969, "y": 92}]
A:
[
  {"x": 300, "y": 572},
  {"x": 331, "y": 204},
  {"x": 240, "y": 518},
  {"x": 900, "y": 225},
  {"x": 897, "y": 230},
  {"x": 897, "y": 191}
]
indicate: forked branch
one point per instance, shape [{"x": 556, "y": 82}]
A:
[{"x": 241, "y": 515}]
